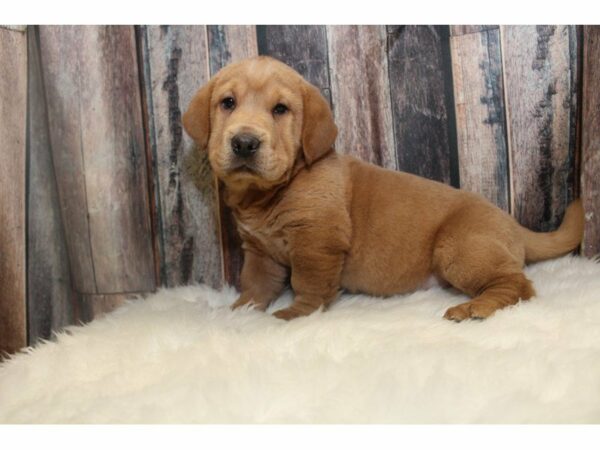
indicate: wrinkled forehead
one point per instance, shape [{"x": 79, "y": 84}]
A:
[{"x": 264, "y": 77}]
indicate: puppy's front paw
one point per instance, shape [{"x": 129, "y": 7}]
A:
[
  {"x": 240, "y": 302},
  {"x": 243, "y": 301}
]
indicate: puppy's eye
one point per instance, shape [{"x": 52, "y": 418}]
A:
[
  {"x": 280, "y": 109},
  {"x": 228, "y": 103}
]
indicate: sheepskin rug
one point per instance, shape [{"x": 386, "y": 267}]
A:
[{"x": 182, "y": 356}]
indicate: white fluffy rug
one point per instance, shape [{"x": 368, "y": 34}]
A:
[{"x": 182, "y": 356}]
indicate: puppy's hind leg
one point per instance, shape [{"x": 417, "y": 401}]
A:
[
  {"x": 499, "y": 292},
  {"x": 484, "y": 269}
]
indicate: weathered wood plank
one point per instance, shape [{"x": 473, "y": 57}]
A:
[
  {"x": 150, "y": 148},
  {"x": 480, "y": 121},
  {"x": 361, "y": 93},
  {"x": 590, "y": 151},
  {"x": 576, "y": 55},
  {"x": 21, "y": 28},
  {"x": 98, "y": 150},
  {"x": 96, "y": 306},
  {"x": 229, "y": 44},
  {"x": 51, "y": 301},
  {"x": 421, "y": 97},
  {"x": 175, "y": 61},
  {"x": 61, "y": 87},
  {"x": 13, "y": 107},
  {"x": 540, "y": 102},
  {"x": 303, "y": 47},
  {"x": 460, "y": 30}
]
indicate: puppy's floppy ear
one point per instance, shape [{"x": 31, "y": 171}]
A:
[
  {"x": 196, "y": 120},
  {"x": 318, "y": 128}
]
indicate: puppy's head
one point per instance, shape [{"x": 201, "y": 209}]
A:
[{"x": 256, "y": 119}]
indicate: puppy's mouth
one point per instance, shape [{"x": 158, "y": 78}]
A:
[{"x": 243, "y": 168}]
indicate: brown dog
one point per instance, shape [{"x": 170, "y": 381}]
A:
[{"x": 333, "y": 221}]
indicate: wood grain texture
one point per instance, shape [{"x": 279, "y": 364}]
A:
[
  {"x": 96, "y": 131},
  {"x": 480, "y": 121},
  {"x": 229, "y": 44},
  {"x": 460, "y": 30},
  {"x": 175, "y": 61},
  {"x": 61, "y": 84},
  {"x": 150, "y": 151},
  {"x": 361, "y": 93},
  {"x": 303, "y": 47},
  {"x": 20, "y": 28},
  {"x": 590, "y": 151},
  {"x": 540, "y": 86},
  {"x": 51, "y": 301},
  {"x": 421, "y": 98},
  {"x": 96, "y": 306},
  {"x": 13, "y": 107}
]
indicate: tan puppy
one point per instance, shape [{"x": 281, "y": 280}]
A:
[{"x": 333, "y": 221}]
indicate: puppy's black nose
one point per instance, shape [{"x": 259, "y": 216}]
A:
[{"x": 244, "y": 145}]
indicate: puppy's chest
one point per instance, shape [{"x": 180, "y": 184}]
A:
[{"x": 264, "y": 236}]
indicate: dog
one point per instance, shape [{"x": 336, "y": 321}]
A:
[{"x": 327, "y": 221}]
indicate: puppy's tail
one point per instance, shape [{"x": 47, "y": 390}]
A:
[{"x": 540, "y": 246}]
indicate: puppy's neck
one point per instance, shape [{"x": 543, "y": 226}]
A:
[{"x": 241, "y": 197}]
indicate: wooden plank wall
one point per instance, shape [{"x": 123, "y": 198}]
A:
[
  {"x": 97, "y": 140},
  {"x": 174, "y": 61},
  {"x": 541, "y": 91},
  {"x": 590, "y": 151},
  {"x": 52, "y": 303},
  {"x": 124, "y": 202},
  {"x": 480, "y": 112},
  {"x": 13, "y": 107},
  {"x": 360, "y": 91},
  {"x": 420, "y": 79}
]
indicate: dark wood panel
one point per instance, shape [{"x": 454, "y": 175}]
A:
[
  {"x": 421, "y": 92},
  {"x": 175, "y": 66},
  {"x": 51, "y": 301},
  {"x": 590, "y": 152},
  {"x": 361, "y": 93},
  {"x": 459, "y": 30},
  {"x": 96, "y": 132},
  {"x": 303, "y": 47},
  {"x": 480, "y": 121},
  {"x": 540, "y": 85},
  {"x": 231, "y": 243},
  {"x": 229, "y": 44},
  {"x": 13, "y": 107}
]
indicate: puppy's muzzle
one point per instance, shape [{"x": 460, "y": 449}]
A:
[{"x": 244, "y": 145}]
